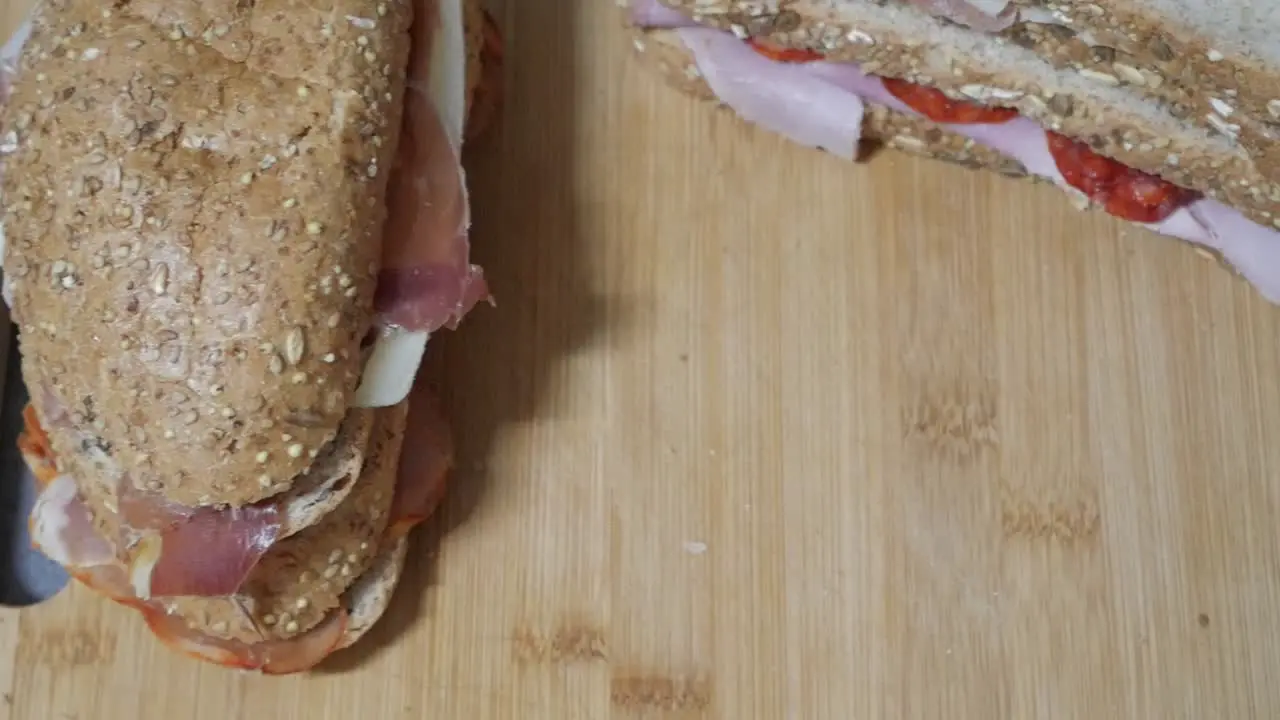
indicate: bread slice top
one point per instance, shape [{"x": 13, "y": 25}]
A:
[
  {"x": 193, "y": 234},
  {"x": 301, "y": 579},
  {"x": 900, "y": 41}
]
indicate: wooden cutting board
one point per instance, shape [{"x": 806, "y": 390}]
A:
[{"x": 757, "y": 433}]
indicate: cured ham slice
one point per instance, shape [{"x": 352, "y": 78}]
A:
[
  {"x": 209, "y": 554},
  {"x": 427, "y": 281},
  {"x": 62, "y": 527},
  {"x": 273, "y": 657},
  {"x": 425, "y": 461}
]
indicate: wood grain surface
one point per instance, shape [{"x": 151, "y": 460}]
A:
[{"x": 757, "y": 433}]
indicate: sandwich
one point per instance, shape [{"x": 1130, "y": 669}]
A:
[
  {"x": 1162, "y": 113},
  {"x": 229, "y": 232}
]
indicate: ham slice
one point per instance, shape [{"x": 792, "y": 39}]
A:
[
  {"x": 425, "y": 461},
  {"x": 207, "y": 552},
  {"x": 427, "y": 281},
  {"x": 746, "y": 80},
  {"x": 62, "y": 527},
  {"x": 273, "y": 657}
]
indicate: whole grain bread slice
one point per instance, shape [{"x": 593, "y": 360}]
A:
[
  {"x": 663, "y": 51},
  {"x": 302, "y": 578},
  {"x": 897, "y": 40},
  {"x": 193, "y": 207}
]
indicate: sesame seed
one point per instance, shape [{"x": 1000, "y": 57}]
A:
[
  {"x": 302, "y": 603},
  {"x": 329, "y": 357},
  {"x": 346, "y": 570},
  {"x": 303, "y": 91},
  {"x": 220, "y": 626},
  {"x": 330, "y": 572},
  {"x": 335, "y": 556},
  {"x": 295, "y": 450},
  {"x": 275, "y": 365},
  {"x": 285, "y": 617},
  {"x": 353, "y": 558},
  {"x": 382, "y": 9},
  {"x": 362, "y": 41},
  {"x": 291, "y": 626},
  {"x": 246, "y": 178},
  {"x": 314, "y": 227},
  {"x": 1214, "y": 56},
  {"x": 261, "y": 457},
  {"x": 169, "y": 434},
  {"x": 228, "y": 413},
  {"x": 286, "y": 437},
  {"x": 290, "y": 202},
  {"x": 305, "y": 577},
  {"x": 268, "y": 619},
  {"x": 298, "y": 378},
  {"x": 264, "y": 480}
]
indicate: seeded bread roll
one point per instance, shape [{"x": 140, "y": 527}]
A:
[
  {"x": 193, "y": 224},
  {"x": 302, "y": 578},
  {"x": 886, "y": 40},
  {"x": 663, "y": 51}
]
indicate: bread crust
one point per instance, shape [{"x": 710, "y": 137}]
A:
[
  {"x": 1138, "y": 134},
  {"x": 367, "y": 599},
  {"x": 194, "y": 212},
  {"x": 663, "y": 51}
]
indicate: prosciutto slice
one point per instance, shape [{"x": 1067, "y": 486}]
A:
[
  {"x": 427, "y": 281},
  {"x": 207, "y": 552},
  {"x": 425, "y": 462}
]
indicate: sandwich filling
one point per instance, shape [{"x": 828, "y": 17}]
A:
[{"x": 820, "y": 104}]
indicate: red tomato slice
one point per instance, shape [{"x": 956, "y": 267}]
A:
[
  {"x": 783, "y": 54},
  {"x": 1124, "y": 192}
]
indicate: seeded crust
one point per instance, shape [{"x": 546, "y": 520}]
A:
[
  {"x": 302, "y": 578},
  {"x": 193, "y": 214},
  {"x": 966, "y": 65},
  {"x": 663, "y": 50},
  {"x": 368, "y": 598}
]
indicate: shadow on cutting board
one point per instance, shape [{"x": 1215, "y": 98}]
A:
[
  {"x": 26, "y": 575},
  {"x": 498, "y": 369}
]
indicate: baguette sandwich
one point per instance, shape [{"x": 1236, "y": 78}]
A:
[
  {"x": 229, "y": 231},
  {"x": 1163, "y": 113}
]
